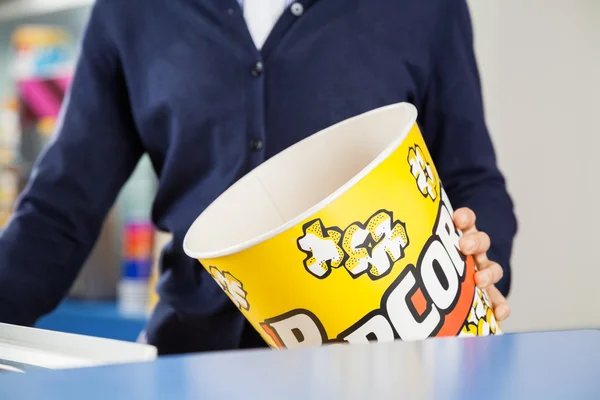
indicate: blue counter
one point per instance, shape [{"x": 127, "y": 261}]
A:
[
  {"x": 94, "y": 318},
  {"x": 557, "y": 365}
]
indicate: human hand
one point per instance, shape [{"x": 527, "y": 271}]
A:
[{"x": 476, "y": 244}]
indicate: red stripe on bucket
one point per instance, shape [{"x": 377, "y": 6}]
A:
[
  {"x": 456, "y": 319},
  {"x": 269, "y": 331}
]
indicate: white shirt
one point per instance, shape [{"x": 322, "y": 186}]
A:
[{"x": 261, "y": 16}]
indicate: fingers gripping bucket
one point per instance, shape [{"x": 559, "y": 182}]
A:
[{"x": 346, "y": 236}]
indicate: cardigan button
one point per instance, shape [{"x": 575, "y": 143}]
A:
[
  {"x": 297, "y": 9},
  {"x": 258, "y": 69},
  {"x": 256, "y": 145}
]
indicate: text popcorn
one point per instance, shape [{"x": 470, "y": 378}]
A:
[{"x": 424, "y": 299}]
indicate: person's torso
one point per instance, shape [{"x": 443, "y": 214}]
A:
[{"x": 209, "y": 107}]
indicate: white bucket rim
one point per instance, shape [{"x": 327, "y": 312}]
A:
[{"x": 382, "y": 156}]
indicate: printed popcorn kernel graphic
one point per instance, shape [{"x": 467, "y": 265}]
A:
[
  {"x": 321, "y": 246},
  {"x": 481, "y": 320},
  {"x": 372, "y": 248},
  {"x": 233, "y": 287},
  {"x": 421, "y": 169},
  {"x": 375, "y": 247}
]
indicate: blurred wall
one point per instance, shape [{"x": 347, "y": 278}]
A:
[{"x": 540, "y": 67}]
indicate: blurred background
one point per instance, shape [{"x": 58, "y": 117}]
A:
[
  {"x": 539, "y": 62},
  {"x": 38, "y": 48}
]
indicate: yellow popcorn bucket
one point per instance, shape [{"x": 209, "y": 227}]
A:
[{"x": 347, "y": 236}]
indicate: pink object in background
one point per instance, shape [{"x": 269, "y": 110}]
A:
[{"x": 42, "y": 97}]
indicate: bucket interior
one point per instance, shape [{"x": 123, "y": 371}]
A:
[{"x": 276, "y": 195}]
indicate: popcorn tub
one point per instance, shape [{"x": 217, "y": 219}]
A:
[{"x": 347, "y": 236}]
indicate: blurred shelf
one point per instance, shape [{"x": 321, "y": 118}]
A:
[
  {"x": 94, "y": 318},
  {"x": 18, "y": 9}
]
